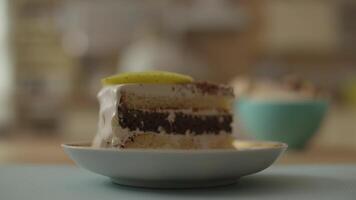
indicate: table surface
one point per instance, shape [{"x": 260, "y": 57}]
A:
[{"x": 36, "y": 182}]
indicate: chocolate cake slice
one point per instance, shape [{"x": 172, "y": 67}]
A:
[{"x": 172, "y": 116}]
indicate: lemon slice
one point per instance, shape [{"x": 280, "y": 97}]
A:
[{"x": 146, "y": 77}]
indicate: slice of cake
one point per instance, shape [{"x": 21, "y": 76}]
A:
[{"x": 153, "y": 114}]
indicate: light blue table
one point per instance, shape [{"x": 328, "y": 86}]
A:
[{"x": 278, "y": 182}]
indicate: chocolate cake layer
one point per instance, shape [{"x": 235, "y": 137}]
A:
[{"x": 153, "y": 121}]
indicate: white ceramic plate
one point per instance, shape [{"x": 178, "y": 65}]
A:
[{"x": 176, "y": 168}]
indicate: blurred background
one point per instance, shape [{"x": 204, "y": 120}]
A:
[{"x": 54, "y": 53}]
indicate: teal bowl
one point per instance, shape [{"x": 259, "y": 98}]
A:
[{"x": 291, "y": 122}]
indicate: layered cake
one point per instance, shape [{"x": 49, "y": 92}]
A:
[{"x": 173, "y": 113}]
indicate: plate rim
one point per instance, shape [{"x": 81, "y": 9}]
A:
[{"x": 270, "y": 145}]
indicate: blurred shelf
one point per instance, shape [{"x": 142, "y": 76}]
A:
[
  {"x": 315, "y": 61},
  {"x": 48, "y": 151},
  {"x": 31, "y": 150}
]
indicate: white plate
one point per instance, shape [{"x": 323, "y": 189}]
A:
[{"x": 176, "y": 168}]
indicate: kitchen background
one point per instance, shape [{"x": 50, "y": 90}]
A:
[{"x": 54, "y": 53}]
